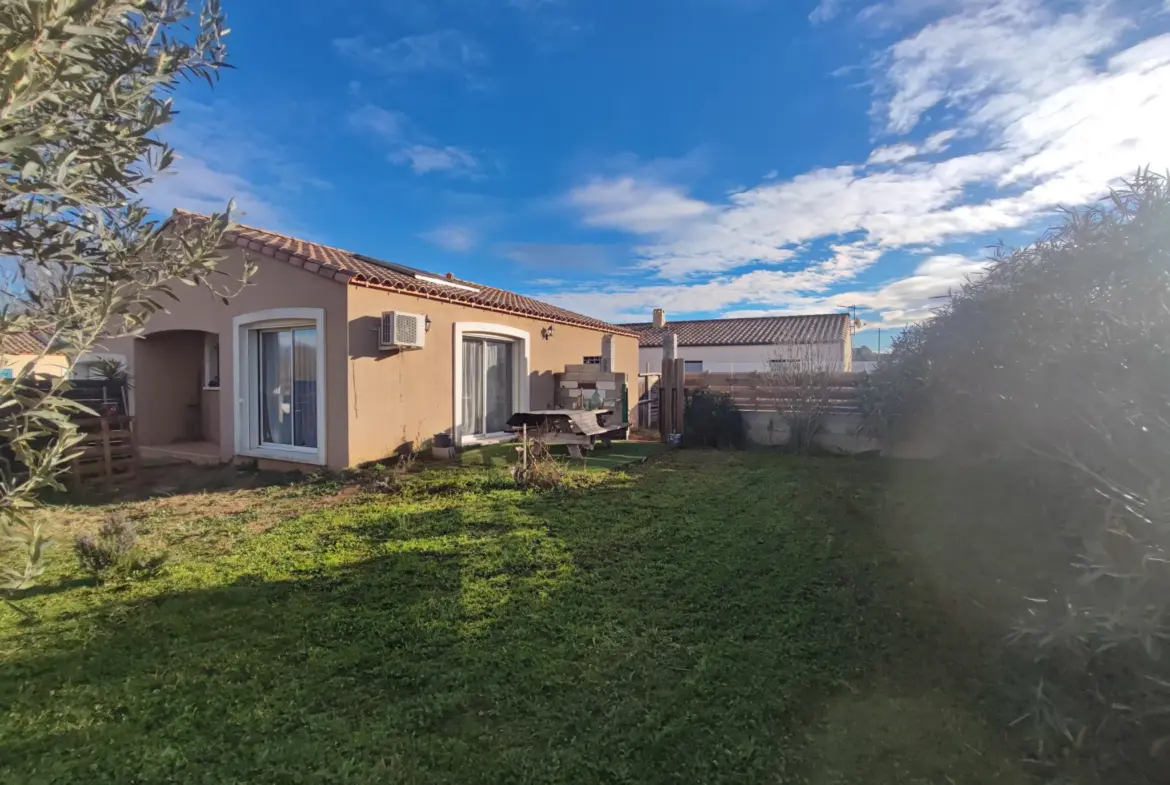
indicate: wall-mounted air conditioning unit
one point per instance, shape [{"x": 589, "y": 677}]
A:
[{"x": 402, "y": 330}]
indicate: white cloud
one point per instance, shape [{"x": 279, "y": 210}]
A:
[
  {"x": 453, "y": 237},
  {"x": 406, "y": 146},
  {"x": 937, "y": 142},
  {"x": 1050, "y": 110},
  {"x": 767, "y": 224},
  {"x": 642, "y": 208},
  {"x": 442, "y": 50},
  {"x": 427, "y": 158},
  {"x": 906, "y": 300},
  {"x": 892, "y": 154},
  {"x": 776, "y": 288},
  {"x": 825, "y": 11},
  {"x": 894, "y": 304},
  {"x": 219, "y": 158},
  {"x": 993, "y": 58},
  {"x": 902, "y": 151},
  {"x": 196, "y": 185}
]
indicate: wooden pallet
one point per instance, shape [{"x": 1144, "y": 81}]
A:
[{"x": 108, "y": 450}]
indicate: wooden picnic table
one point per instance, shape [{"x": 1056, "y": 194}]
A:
[{"x": 577, "y": 428}]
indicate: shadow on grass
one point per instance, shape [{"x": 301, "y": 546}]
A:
[
  {"x": 154, "y": 482},
  {"x": 47, "y": 589},
  {"x": 681, "y": 626}
]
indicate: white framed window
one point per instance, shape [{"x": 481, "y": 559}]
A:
[
  {"x": 488, "y": 380},
  {"x": 280, "y": 384},
  {"x": 693, "y": 366},
  {"x": 287, "y": 359},
  {"x": 210, "y": 361},
  {"x": 491, "y": 380}
]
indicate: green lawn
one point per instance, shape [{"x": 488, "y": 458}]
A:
[
  {"x": 621, "y": 454},
  {"x": 701, "y": 618}
]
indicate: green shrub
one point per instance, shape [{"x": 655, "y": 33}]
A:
[
  {"x": 713, "y": 420},
  {"x": 114, "y": 552}
]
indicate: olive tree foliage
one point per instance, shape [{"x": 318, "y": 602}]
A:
[
  {"x": 84, "y": 92},
  {"x": 1057, "y": 360}
]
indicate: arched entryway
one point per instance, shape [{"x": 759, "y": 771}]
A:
[{"x": 176, "y": 395}]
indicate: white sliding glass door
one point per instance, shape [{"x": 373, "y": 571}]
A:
[
  {"x": 489, "y": 380},
  {"x": 288, "y": 387}
]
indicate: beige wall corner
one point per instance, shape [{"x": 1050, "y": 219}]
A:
[
  {"x": 398, "y": 398},
  {"x": 276, "y": 285}
]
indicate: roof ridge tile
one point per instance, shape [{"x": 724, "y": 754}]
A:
[
  {"x": 348, "y": 267},
  {"x": 746, "y": 331}
]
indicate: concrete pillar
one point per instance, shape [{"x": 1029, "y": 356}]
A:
[
  {"x": 607, "y": 353},
  {"x": 670, "y": 346}
]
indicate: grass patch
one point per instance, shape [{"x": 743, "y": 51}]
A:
[
  {"x": 622, "y": 454},
  {"x": 489, "y": 455},
  {"x": 708, "y": 617}
]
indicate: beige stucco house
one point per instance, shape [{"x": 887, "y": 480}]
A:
[
  {"x": 294, "y": 370},
  {"x": 17, "y": 350}
]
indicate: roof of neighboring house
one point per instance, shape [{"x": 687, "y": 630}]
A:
[
  {"x": 21, "y": 343},
  {"x": 763, "y": 330},
  {"x": 360, "y": 270}
]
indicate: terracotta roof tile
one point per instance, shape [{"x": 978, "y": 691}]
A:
[
  {"x": 356, "y": 269},
  {"x": 21, "y": 343},
  {"x": 764, "y": 330}
]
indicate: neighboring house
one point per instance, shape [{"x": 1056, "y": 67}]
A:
[
  {"x": 823, "y": 341},
  {"x": 291, "y": 369},
  {"x": 19, "y": 349}
]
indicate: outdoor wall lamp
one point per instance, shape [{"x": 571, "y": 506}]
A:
[
  {"x": 427, "y": 324},
  {"x": 547, "y": 332}
]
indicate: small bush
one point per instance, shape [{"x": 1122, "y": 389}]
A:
[
  {"x": 541, "y": 471},
  {"x": 114, "y": 552},
  {"x": 802, "y": 388},
  {"x": 712, "y": 420}
]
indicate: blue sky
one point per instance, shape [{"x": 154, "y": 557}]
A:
[{"x": 712, "y": 157}]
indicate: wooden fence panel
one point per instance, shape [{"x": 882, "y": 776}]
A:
[
  {"x": 98, "y": 395},
  {"x": 648, "y": 393},
  {"x": 760, "y": 392},
  {"x": 107, "y": 451}
]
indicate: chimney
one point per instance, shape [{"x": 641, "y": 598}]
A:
[
  {"x": 450, "y": 277},
  {"x": 659, "y": 317}
]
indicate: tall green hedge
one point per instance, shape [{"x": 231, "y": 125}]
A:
[{"x": 1058, "y": 358}]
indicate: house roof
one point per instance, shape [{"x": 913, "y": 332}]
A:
[
  {"x": 764, "y": 330},
  {"x": 21, "y": 343},
  {"x": 359, "y": 270}
]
